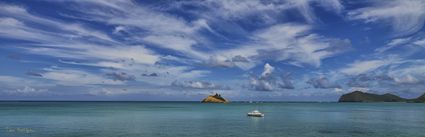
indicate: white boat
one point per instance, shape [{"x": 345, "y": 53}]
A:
[{"x": 255, "y": 113}]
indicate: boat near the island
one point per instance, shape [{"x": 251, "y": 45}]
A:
[{"x": 255, "y": 113}]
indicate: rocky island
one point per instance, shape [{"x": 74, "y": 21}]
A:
[
  {"x": 358, "y": 96},
  {"x": 215, "y": 99}
]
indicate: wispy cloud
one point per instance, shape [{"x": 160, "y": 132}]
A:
[
  {"x": 13, "y": 81},
  {"x": 69, "y": 40},
  {"x": 17, "y": 16},
  {"x": 161, "y": 29},
  {"x": 12, "y": 85},
  {"x": 404, "y": 16},
  {"x": 322, "y": 82},
  {"x": 76, "y": 77},
  {"x": 395, "y": 75},
  {"x": 198, "y": 85},
  {"x": 264, "y": 11},
  {"x": 394, "y": 43},
  {"x": 360, "y": 67},
  {"x": 292, "y": 43}
]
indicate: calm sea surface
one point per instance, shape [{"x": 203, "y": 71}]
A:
[{"x": 193, "y": 119}]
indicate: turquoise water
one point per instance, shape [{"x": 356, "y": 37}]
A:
[{"x": 192, "y": 119}]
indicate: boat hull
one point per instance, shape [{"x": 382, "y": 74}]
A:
[{"x": 255, "y": 115}]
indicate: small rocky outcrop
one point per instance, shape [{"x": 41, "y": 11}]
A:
[{"x": 217, "y": 98}]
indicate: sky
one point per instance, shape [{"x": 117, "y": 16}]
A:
[{"x": 296, "y": 50}]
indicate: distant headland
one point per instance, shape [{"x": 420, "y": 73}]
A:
[
  {"x": 215, "y": 99},
  {"x": 358, "y": 96}
]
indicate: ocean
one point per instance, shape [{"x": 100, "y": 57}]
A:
[{"x": 194, "y": 119}]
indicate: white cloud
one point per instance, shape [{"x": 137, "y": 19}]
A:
[
  {"x": 265, "y": 81},
  {"x": 393, "y": 43},
  {"x": 303, "y": 6},
  {"x": 170, "y": 32},
  {"x": 77, "y": 77},
  {"x": 293, "y": 43},
  {"x": 109, "y": 91},
  {"x": 177, "y": 43},
  {"x": 193, "y": 74},
  {"x": 269, "y": 82},
  {"x": 398, "y": 76},
  {"x": 398, "y": 41},
  {"x": 333, "y": 5},
  {"x": 220, "y": 61},
  {"x": 29, "y": 90},
  {"x": 15, "y": 29},
  {"x": 24, "y": 91},
  {"x": 159, "y": 28},
  {"x": 408, "y": 79},
  {"x": 363, "y": 66},
  {"x": 138, "y": 54},
  {"x": 405, "y": 16},
  {"x": 323, "y": 82},
  {"x": 306, "y": 9},
  {"x": 15, "y": 82},
  {"x": 72, "y": 30},
  {"x": 198, "y": 85},
  {"x": 5, "y": 79},
  {"x": 260, "y": 85},
  {"x": 265, "y": 11},
  {"x": 13, "y": 85},
  {"x": 105, "y": 64},
  {"x": 68, "y": 40},
  {"x": 360, "y": 67},
  {"x": 238, "y": 9},
  {"x": 360, "y": 89},
  {"x": 268, "y": 70},
  {"x": 166, "y": 74},
  {"x": 408, "y": 72},
  {"x": 420, "y": 42}
]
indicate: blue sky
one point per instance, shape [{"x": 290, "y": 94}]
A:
[{"x": 301, "y": 50}]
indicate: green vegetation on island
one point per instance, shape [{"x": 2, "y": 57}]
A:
[
  {"x": 215, "y": 99},
  {"x": 358, "y": 96}
]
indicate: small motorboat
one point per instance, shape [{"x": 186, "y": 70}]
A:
[{"x": 255, "y": 113}]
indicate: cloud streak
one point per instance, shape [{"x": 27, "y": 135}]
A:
[
  {"x": 404, "y": 16},
  {"x": 293, "y": 43},
  {"x": 198, "y": 85}
]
